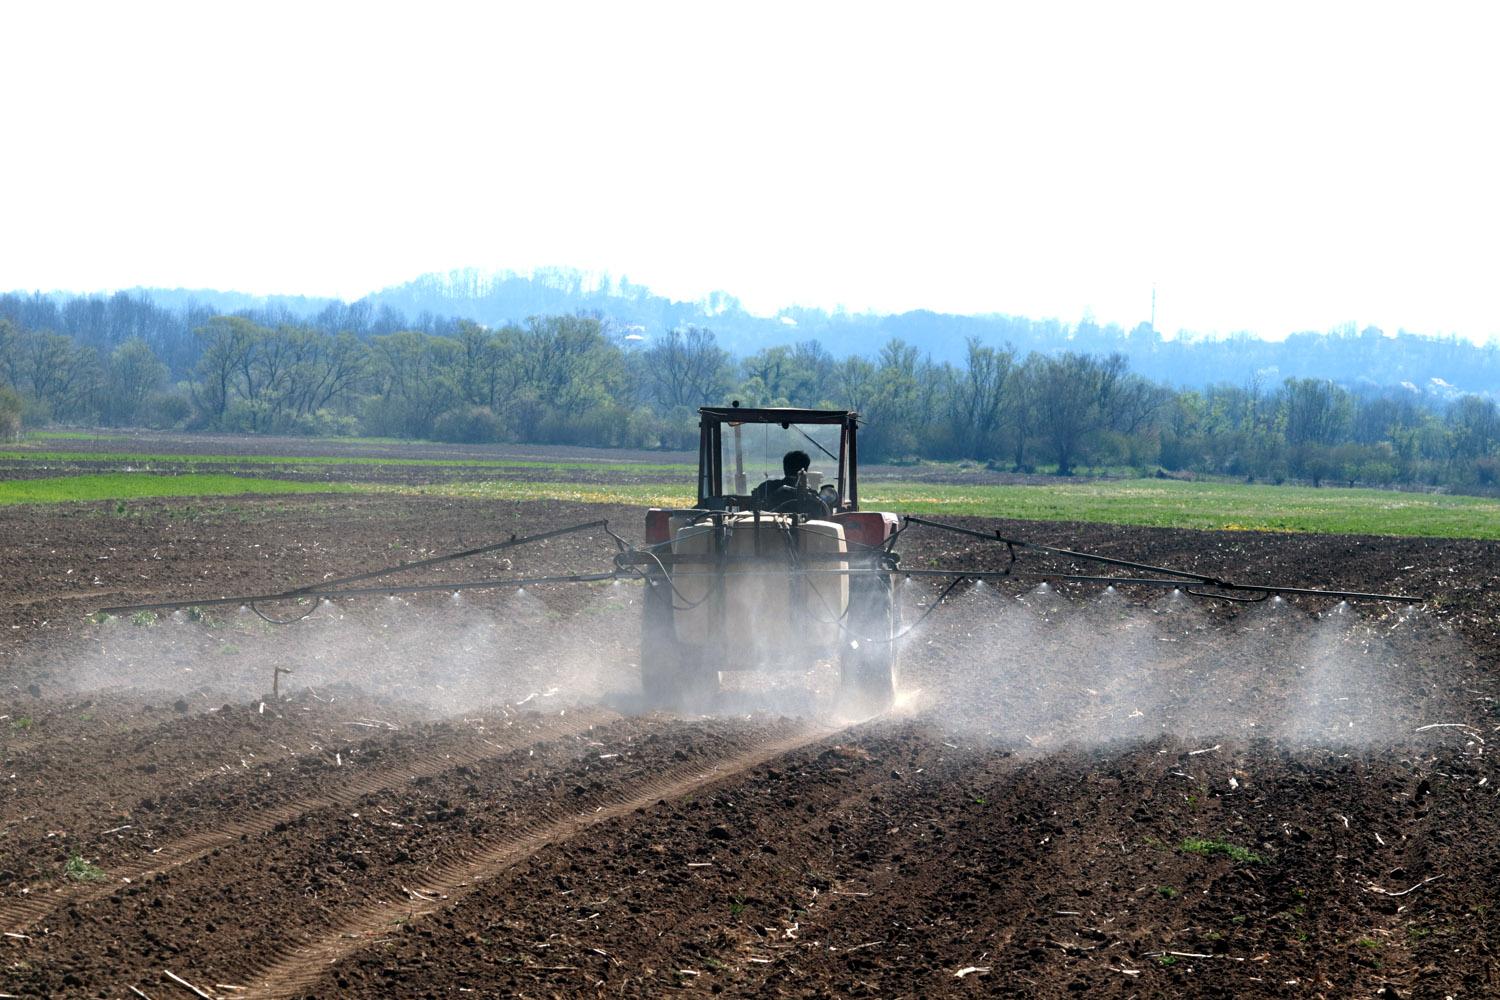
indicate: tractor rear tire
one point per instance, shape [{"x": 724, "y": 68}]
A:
[
  {"x": 673, "y": 674},
  {"x": 867, "y": 683}
]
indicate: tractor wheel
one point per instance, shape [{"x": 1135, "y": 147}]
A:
[
  {"x": 672, "y": 672},
  {"x": 868, "y": 665}
]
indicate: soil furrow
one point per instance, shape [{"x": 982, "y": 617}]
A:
[
  {"x": 703, "y": 883},
  {"x": 18, "y": 914},
  {"x": 136, "y": 762},
  {"x": 452, "y": 879}
]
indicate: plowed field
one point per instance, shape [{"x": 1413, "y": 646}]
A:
[{"x": 1125, "y": 794}]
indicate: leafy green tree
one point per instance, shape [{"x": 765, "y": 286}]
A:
[
  {"x": 814, "y": 368},
  {"x": 45, "y": 361},
  {"x": 62, "y": 379},
  {"x": 486, "y": 376}
]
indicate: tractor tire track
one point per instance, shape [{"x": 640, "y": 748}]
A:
[
  {"x": 18, "y": 914},
  {"x": 302, "y": 964}
]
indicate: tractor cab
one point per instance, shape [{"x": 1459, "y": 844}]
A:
[
  {"x": 741, "y": 448},
  {"x": 776, "y": 578}
]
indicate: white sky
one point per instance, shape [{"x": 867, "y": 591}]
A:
[{"x": 1268, "y": 167}]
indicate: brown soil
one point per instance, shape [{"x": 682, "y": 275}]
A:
[{"x": 1129, "y": 794}]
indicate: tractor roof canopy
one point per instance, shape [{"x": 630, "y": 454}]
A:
[
  {"x": 776, "y": 415},
  {"x": 732, "y": 462}
]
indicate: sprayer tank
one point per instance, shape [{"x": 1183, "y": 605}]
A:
[{"x": 755, "y": 607}]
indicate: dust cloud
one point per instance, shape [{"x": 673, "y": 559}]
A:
[
  {"x": 1043, "y": 669},
  {"x": 1046, "y": 669},
  {"x": 443, "y": 655}
]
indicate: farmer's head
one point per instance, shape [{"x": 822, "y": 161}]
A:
[{"x": 794, "y": 462}]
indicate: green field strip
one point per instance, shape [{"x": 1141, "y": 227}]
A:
[
  {"x": 1209, "y": 506},
  {"x": 636, "y": 494},
  {"x": 140, "y": 485},
  {"x": 688, "y": 472},
  {"x": 71, "y": 436},
  {"x": 1146, "y": 502}
]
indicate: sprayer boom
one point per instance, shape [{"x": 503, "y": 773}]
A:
[
  {"x": 657, "y": 563},
  {"x": 795, "y": 549},
  {"x": 1177, "y": 579}
]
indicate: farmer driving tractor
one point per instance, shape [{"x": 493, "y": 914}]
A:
[{"x": 791, "y": 493}]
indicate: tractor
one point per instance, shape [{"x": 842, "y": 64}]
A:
[{"x": 769, "y": 579}]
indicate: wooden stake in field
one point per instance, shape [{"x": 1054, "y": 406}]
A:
[{"x": 276, "y": 673}]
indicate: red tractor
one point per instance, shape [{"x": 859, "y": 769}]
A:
[{"x": 772, "y": 567}]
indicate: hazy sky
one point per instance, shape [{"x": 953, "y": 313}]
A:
[{"x": 1268, "y": 167}]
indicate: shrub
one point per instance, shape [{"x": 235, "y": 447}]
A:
[
  {"x": 169, "y": 410},
  {"x": 324, "y": 423},
  {"x": 469, "y": 425},
  {"x": 35, "y": 412}
]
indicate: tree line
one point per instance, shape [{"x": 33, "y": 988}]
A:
[
  {"x": 1349, "y": 354},
  {"x": 576, "y": 379}
]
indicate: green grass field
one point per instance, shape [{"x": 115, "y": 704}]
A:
[
  {"x": 136, "y": 485},
  {"x": 1160, "y": 503},
  {"x": 686, "y": 472},
  {"x": 71, "y": 436},
  {"x": 1213, "y": 506}
]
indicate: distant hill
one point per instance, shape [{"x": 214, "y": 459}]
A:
[
  {"x": 1442, "y": 366},
  {"x": 1366, "y": 357}
]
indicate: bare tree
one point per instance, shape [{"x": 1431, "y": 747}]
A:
[
  {"x": 10, "y": 354},
  {"x": 685, "y": 367},
  {"x": 134, "y": 375},
  {"x": 418, "y": 372},
  {"x": 977, "y": 397},
  {"x": 1316, "y": 411},
  {"x": 567, "y": 361},
  {"x": 854, "y": 384},
  {"x": 1474, "y": 424},
  {"x": 1071, "y": 391},
  {"x": 228, "y": 345},
  {"x": 1135, "y": 404},
  {"x": 10, "y": 414},
  {"x": 1021, "y": 411},
  {"x": 328, "y": 370}
]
